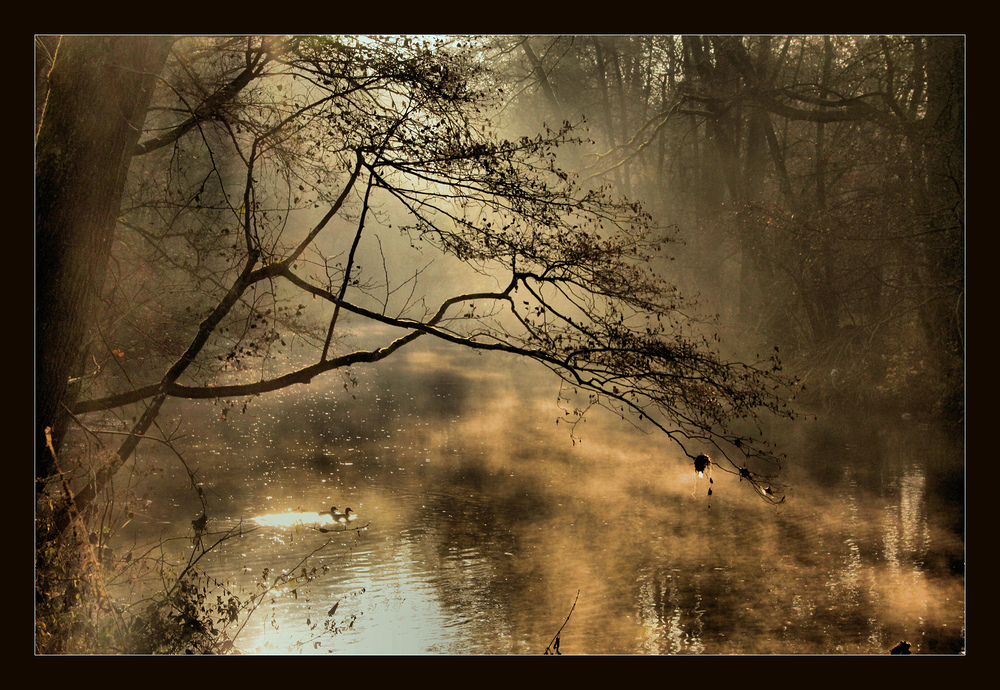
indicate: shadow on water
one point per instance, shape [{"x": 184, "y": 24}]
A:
[{"x": 484, "y": 520}]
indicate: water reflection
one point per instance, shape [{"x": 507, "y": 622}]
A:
[{"x": 482, "y": 521}]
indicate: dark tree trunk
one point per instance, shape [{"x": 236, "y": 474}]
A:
[
  {"x": 944, "y": 244},
  {"x": 99, "y": 89}
]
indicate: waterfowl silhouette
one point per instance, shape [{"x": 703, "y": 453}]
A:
[{"x": 342, "y": 518}]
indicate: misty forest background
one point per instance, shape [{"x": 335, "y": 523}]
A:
[{"x": 779, "y": 219}]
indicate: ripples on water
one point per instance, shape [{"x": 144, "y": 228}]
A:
[{"x": 482, "y": 522}]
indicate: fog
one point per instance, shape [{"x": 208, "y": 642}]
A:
[
  {"x": 551, "y": 272},
  {"x": 482, "y": 520}
]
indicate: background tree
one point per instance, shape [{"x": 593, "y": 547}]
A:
[
  {"x": 276, "y": 169},
  {"x": 797, "y": 170}
]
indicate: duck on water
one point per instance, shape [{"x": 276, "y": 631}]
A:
[{"x": 342, "y": 518}]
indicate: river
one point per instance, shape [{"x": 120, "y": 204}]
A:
[{"x": 483, "y": 525}]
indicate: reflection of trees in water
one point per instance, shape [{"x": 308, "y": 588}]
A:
[
  {"x": 507, "y": 519},
  {"x": 827, "y": 574},
  {"x": 810, "y": 578},
  {"x": 477, "y": 517}
]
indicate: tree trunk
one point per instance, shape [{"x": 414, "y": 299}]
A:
[
  {"x": 99, "y": 91},
  {"x": 944, "y": 244}
]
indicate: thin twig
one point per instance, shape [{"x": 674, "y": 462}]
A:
[{"x": 553, "y": 647}]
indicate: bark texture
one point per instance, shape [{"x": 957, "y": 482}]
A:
[{"x": 99, "y": 90}]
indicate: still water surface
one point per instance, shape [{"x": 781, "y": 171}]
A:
[{"x": 481, "y": 523}]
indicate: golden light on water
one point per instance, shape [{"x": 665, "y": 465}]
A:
[
  {"x": 482, "y": 544},
  {"x": 292, "y": 519}
]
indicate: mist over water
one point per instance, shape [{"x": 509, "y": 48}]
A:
[
  {"x": 484, "y": 521},
  {"x": 802, "y": 204}
]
